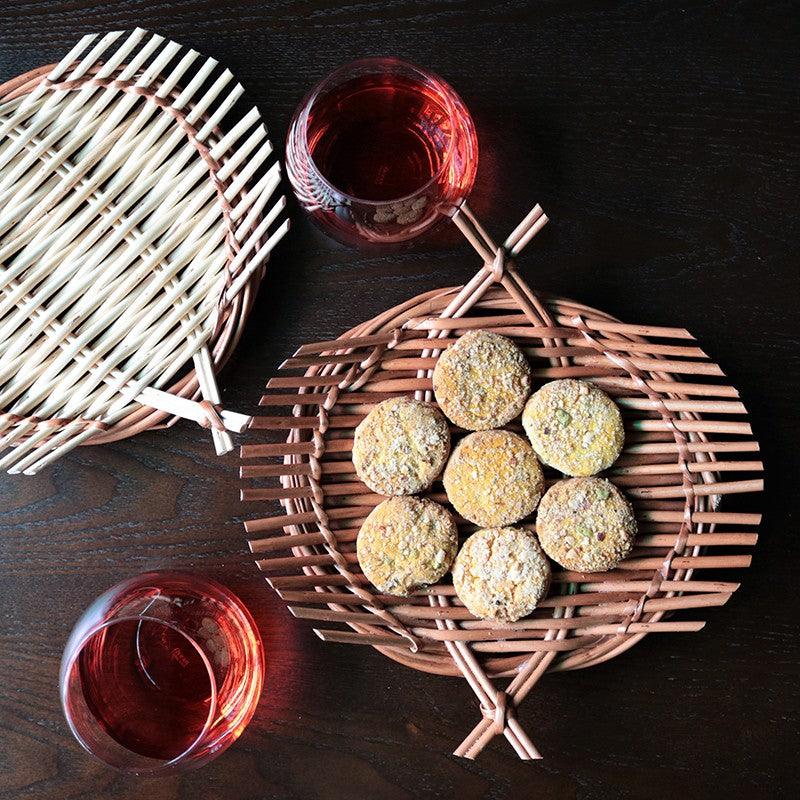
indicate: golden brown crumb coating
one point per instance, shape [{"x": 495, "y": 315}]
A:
[
  {"x": 406, "y": 542},
  {"x": 493, "y": 478},
  {"x": 586, "y": 524},
  {"x": 482, "y": 381}
]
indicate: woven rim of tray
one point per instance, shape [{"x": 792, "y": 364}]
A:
[
  {"x": 687, "y": 438},
  {"x": 245, "y": 237}
]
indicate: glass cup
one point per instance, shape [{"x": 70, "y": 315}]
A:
[
  {"x": 163, "y": 670},
  {"x": 380, "y": 151}
]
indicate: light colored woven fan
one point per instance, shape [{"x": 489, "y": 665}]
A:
[
  {"x": 687, "y": 436},
  {"x": 133, "y": 234}
]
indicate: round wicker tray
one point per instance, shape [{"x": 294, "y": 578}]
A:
[
  {"x": 688, "y": 444},
  {"x": 132, "y": 240}
]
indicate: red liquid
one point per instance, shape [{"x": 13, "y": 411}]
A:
[
  {"x": 378, "y": 141},
  {"x": 147, "y": 686},
  {"x": 380, "y": 152},
  {"x": 174, "y": 664}
]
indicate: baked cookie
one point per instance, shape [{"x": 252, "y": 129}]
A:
[
  {"x": 493, "y": 478},
  {"x": 586, "y": 524},
  {"x": 401, "y": 446},
  {"x": 574, "y": 427},
  {"x": 406, "y": 542},
  {"x": 501, "y": 573},
  {"x": 482, "y": 381}
]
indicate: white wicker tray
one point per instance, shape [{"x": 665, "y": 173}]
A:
[{"x": 133, "y": 233}]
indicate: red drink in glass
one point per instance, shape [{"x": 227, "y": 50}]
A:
[
  {"x": 164, "y": 669},
  {"x": 380, "y": 151}
]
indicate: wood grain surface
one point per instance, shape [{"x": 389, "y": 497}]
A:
[{"x": 662, "y": 140}]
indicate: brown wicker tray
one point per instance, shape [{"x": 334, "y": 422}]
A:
[{"x": 688, "y": 444}]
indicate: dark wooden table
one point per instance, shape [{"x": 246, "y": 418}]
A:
[{"x": 662, "y": 139}]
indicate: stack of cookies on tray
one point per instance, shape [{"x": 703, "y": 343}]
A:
[{"x": 494, "y": 479}]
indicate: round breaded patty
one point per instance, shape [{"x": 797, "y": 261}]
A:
[
  {"x": 501, "y": 573},
  {"x": 493, "y": 478},
  {"x": 401, "y": 446},
  {"x": 406, "y": 542},
  {"x": 482, "y": 381},
  {"x": 574, "y": 427},
  {"x": 586, "y": 524}
]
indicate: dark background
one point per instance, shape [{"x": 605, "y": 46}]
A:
[{"x": 662, "y": 140}]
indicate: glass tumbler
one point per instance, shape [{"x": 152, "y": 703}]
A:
[
  {"x": 380, "y": 151},
  {"x": 163, "y": 670}
]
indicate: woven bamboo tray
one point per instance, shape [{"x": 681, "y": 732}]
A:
[
  {"x": 688, "y": 446},
  {"x": 133, "y": 235}
]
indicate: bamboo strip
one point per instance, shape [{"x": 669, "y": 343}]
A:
[
  {"x": 273, "y": 470},
  {"x": 274, "y": 523},
  {"x": 680, "y": 585},
  {"x": 660, "y": 604},
  {"x": 701, "y": 539},
  {"x": 531, "y": 645},
  {"x": 671, "y": 468},
  {"x": 695, "y": 447},
  {"x": 349, "y": 637},
  {"x": 646, "y": 448},
  {"x": 697, "y": 426},
  {"x": 603, "y": 326},
  {"x": 729, "y": 487},
  {"x": 699, "y": 406},
  {"x": 479, "y": 630},
  {"x": 630, "y": 564},
  {"x": 686, "y": 388},
  {"x": 657, "y": 540}
]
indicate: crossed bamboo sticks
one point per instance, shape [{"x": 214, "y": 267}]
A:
[{"x": 497, "y": 706}]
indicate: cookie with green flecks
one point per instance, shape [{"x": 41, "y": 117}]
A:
[
  {"x": 406, "y": 542},
  {"x": 586, "y": 524},
  {"x": 574, "y": 427}
]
